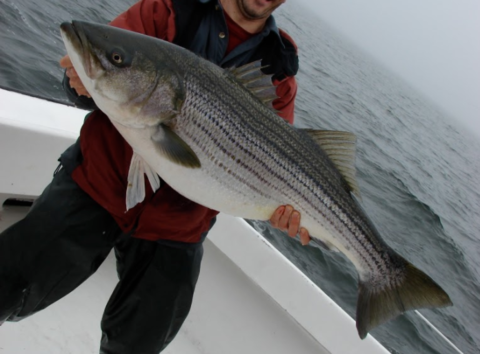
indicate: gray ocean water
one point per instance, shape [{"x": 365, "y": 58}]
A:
[{"x": 417, "y": 169}]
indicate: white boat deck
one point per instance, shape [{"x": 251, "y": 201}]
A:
[{"x": 249, "y": 298}]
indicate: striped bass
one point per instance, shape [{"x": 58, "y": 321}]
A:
[{"x": 211, "y": 135}]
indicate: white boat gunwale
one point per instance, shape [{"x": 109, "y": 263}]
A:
[{"x": 33, "y": 133}]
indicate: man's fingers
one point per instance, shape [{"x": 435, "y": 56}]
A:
[
  {"x": 83, "y": 92},
  {"x": 76, "y": 83},
  {"x": 294, "y": 224},
  {"x": 285, "y": 218},
  {"x": 71, "y": 73},
  {"x": 276, "y": 216},
  {"x": 65, "y": 62},
  {"x": 304, "y": 236},
  {"x": 281, "y": 217}
]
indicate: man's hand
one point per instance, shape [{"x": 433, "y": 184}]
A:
[
  {"x": 285, "y": 218},
  {"x": 75, "y": 81}
]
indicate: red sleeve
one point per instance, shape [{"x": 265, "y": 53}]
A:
[
  {"x": 285, "y": 103},
  {"x": 151, "y": 17}
]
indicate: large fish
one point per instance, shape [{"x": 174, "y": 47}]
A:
[{"x": 211, "y": 135}]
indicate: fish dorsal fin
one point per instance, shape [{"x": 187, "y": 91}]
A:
[
  {"x": 251, "y": 76},
  {"x": 340, "y": 148}
]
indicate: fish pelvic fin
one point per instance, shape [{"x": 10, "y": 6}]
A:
[
  {"x": 412, "y": 289},
  {"x": 136, "y": 180}
]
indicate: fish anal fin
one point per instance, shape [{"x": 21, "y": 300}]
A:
[
  {"x": 171, "y": 146},
  {"x": 340, "y": 147},
  {"x": 259, "y": 84},
  {"x": 412, "y": 289},
  {"x": 324, "y": 245}
]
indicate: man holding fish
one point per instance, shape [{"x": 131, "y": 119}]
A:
[
  {"x": 158, "y": 243},
  {"x": 198, "y": 124}
]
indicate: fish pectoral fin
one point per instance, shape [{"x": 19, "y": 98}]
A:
[
  {"x": 340, "y": 147},
  {"x": 170, "y": 145}
]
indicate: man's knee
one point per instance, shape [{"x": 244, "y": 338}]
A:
[{"x": 12, "y": 297}]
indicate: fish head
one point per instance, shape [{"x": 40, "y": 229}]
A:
[{"x": 131, "y": 77}]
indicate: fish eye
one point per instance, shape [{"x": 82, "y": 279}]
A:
[{"x": 117, "y": 58}]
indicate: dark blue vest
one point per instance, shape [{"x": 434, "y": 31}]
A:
[{"x": 199, "y": 22}]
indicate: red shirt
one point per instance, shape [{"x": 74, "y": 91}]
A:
[
  {"x": 236, "y": 34},
  {"x": 103, "y": 173}
]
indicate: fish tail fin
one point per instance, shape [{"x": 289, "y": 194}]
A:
[{"x": 380, "y": 301}]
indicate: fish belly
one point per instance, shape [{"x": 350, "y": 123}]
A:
[
  {"x": 219, "y": 189},
  {"x": 208, "y": 186}
]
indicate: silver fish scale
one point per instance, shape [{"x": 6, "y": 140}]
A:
[{"x": 255, "y": 155}]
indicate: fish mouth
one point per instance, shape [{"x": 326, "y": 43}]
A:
[
  {"x": 74, "y": 36},
  {"x": 69, "y": 31}
]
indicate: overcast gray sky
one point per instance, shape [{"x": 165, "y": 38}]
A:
[{"x": 433, "y": 44}]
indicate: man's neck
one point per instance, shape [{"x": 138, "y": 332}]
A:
[{"x": 251, "y": 26}]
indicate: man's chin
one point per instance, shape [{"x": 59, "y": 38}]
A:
[{"x": 257, "y": 13}]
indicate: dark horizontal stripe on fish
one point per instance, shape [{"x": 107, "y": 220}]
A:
[
  {"x": 241, "y": 108},
  {"x": 219, "y": 163},
  {"x": 345, "y": 213}
]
